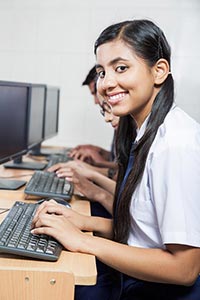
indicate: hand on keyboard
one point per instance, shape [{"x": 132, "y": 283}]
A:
[{"x": 56, "y": 220}]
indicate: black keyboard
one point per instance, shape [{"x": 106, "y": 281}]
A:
[
  {"x": 57, "y": 158},
  {"x": 46, "y": 184},
  {"x": 16, "y": 238}
]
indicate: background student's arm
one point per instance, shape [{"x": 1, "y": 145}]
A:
[
  {"x": 103, "y": 181},
  {"x": 93, "y": 192}
]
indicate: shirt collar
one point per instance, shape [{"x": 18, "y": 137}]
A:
[{"x": 141, "y": 130}]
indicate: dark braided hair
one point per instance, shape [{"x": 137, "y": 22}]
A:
[{"x": 149, "y": 43}]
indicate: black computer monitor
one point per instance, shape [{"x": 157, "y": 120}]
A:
[
  {"x": 33, "y": 129},
  {"x": 51, "y": 119},
  {"x": 51, "y": 112},
  {"x": 37, "y": 114},
  {"x": 13, "y": 129}
]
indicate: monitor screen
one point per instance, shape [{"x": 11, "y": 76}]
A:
[
  {"x": 13, "y": 120},
  {"x": 13, "y": 127},
  {"x": 51, "y": 112},
  {"x": 32, "y": 130},
  {"x": 36, "y": 115}
]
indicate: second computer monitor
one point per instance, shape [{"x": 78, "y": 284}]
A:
[
  {"x": 36, "y": 114},
  {"x": 51, "y": 112},
  {"x": 50, "y": 121}
]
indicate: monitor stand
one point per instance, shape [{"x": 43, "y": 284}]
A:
[
  {"x": 18, "y": 163},
  {"x": 8, "y": 184}
]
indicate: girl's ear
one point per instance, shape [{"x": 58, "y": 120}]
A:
[{"x": 161, "y": 71}]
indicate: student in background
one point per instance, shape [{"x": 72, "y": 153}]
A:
[
  {"x": 93, "y": 154},
  {"x": 153, "y": 242},
  {"x": 88, "y": 181},
  {"x": 90, "y": 81}
]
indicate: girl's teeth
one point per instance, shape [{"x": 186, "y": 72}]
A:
[{"x": 115, "y": 97}]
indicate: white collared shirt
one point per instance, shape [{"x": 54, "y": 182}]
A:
[{"x": 165, "y": 207}]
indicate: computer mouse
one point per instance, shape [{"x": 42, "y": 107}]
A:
[
  {"x": 62, "y": 201},
  {"x": 58, "y": 200}
]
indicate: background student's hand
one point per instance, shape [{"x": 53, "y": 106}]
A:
[
  {"x": 86, "y": 188},
  {"x": 81, "y": 148},
  {"x": 66, "y": 169},
  {"x": 83, "y": 186},
  {"x": 89, "y": 153}
]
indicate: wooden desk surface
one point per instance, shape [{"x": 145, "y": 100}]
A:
[{"x": 82, "y": 266}]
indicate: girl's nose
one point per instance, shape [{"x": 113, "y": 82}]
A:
[{"x": 108, "y": 81}]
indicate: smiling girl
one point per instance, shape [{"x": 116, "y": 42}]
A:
[{"x": 153, "y": 242}]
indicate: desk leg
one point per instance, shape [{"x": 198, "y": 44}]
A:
[{"x": 32, "y": 285}]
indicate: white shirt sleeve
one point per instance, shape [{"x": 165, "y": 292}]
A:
[{"x": 175, "y": 187}]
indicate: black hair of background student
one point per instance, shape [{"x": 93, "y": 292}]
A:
[{"x": 91, "y": 76}]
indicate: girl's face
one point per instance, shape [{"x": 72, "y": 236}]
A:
[{"x": 125, "y": 81}]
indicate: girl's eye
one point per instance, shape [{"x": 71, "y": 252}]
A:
[
  {"x": 121, "y": 69},
  {"x": 101, "y": 74}
]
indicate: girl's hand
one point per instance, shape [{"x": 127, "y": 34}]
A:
[
  {"x": 60, "y": 228},
  {"x": 52, "y": 207}
]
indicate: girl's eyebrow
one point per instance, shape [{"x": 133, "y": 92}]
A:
[
  {"x": 98, "y": 66},
  {"x": 113, "y": 61}
]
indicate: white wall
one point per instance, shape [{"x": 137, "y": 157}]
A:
[{"x": 51, "y": 41}]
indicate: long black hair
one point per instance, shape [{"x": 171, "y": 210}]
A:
[{"x": 149, "y": 43}]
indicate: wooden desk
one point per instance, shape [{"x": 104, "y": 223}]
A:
[{"x": 26, "y": 279}]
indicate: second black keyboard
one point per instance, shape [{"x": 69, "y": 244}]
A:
[
  {"x": 57, "y": 158},
  {"x": 48, "y": 185}
]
